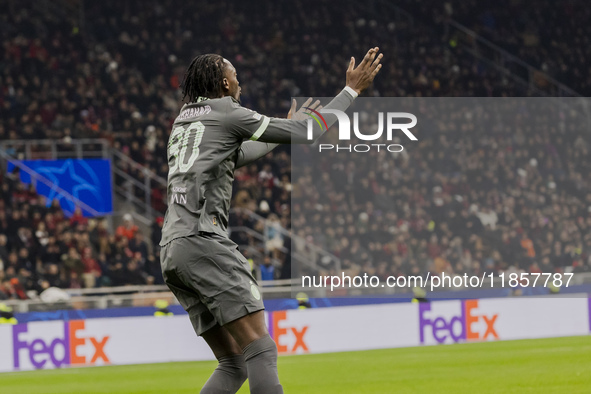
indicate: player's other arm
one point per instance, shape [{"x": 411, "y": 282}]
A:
[
  {"x": 253, "y": 150},
  {"x": 253, "y": 126}
]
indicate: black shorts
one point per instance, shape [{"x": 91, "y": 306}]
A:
[{"x": 211, "y": 279}]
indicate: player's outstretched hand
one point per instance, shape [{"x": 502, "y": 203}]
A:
[
  {"x": 304, "y": 110},
  {"x": 361, "y": 77}
]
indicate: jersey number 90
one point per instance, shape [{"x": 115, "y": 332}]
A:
[{"x": 178, "y": 146}]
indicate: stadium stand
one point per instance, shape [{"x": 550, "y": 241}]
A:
[
  {"x": 117, "y": 78},
  {"x": 474, "y": 199},
  {"x": 553, "y": 37}
]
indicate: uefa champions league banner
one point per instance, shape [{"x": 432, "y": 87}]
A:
[
  {"x": 134, "y": 340},
  {"x": 88, "y": 180}
]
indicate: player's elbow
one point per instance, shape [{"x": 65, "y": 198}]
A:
[
  {"x": 309, "y": 136},
  {"x": 304, "y": 140}
]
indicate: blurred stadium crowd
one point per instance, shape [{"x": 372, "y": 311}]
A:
[
  {"x": 118, "y": 79},
  {"x": 552, "y": 37},
  {"x": 473, "y": 195},
  {"x": 41, "y": 248}
]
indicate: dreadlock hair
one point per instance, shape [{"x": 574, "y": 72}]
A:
[{"x": 204, "y": 77}]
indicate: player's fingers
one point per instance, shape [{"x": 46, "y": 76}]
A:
[
  {"x": 351, "y": 64},
  {"x": 315, "y": 104},
  {"x": 292, "y": 110},
  {"x": 368, "y": 57},
  {"x": 306, "y": 104},
  {"x": 365, "y": 58},
  {"x": 377, "y": 61},
  {"x": 375, "y": 72},
  {"x": 371, "y": 58}
]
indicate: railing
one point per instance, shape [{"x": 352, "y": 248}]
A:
[
  {"x": 84, "y": 148},
  {"x": 146, "y": 171},
  {"x": 336, "y": 262},
  {"x": 518, "y": 70},
  {"x": 127, "y": 296},
  {"x": 146, "y": 295},
  {"x": 486, "y": 50},
  {"x": 150, "y": 179},
  {"x": 492, "y": 54}
]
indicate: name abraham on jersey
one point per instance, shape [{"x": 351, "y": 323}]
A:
[{"x": 193, "y": 112}]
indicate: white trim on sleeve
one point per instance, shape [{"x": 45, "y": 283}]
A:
[
  {"x": 350, "y": 90},
  {"x": 257, "y": 134}
]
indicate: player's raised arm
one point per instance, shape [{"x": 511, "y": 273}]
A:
[{"x": 256, "y": 127}]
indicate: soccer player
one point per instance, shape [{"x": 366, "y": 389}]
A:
[{"x": 212, "y": 136}]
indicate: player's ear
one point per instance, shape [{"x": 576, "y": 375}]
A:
[{"x": 226, "y": 84}]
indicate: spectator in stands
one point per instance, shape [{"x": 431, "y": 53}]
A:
[
  {"x": 267, "y": 269},
  {"x": 6, "y": 289},
  {"x": 116, "y": 272},
  {"x": 78, "y": 218},
  {"x": 16, "y": 289},
  {"x": 106, "y": 90},
  {"x": 53, "y": 276},
  {"x": 92, "y": 270},
  {"x": 42, "y": 234},
  {"x": 273, "y": 235},
  {"x": 73, "y": 263},
  {"x": 128, "y": 228},
  {"x": 138, "y": 245},
  {"x": 133, "y": 274}
]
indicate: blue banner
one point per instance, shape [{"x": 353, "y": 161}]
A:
[{"x": 88, "y": 180}]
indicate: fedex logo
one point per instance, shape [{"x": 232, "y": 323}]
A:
[
  {"x": 70, "y": 347},
  {"x": 289, "y": 339},
  {"x": 468, "y": 325}
]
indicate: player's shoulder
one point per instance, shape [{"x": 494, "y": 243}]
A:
[
  {"x": 237, "y": 110},
  {"x": 232, "y": 103}
]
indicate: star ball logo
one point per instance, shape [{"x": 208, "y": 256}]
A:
[{"x": 345, "y": 130}]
